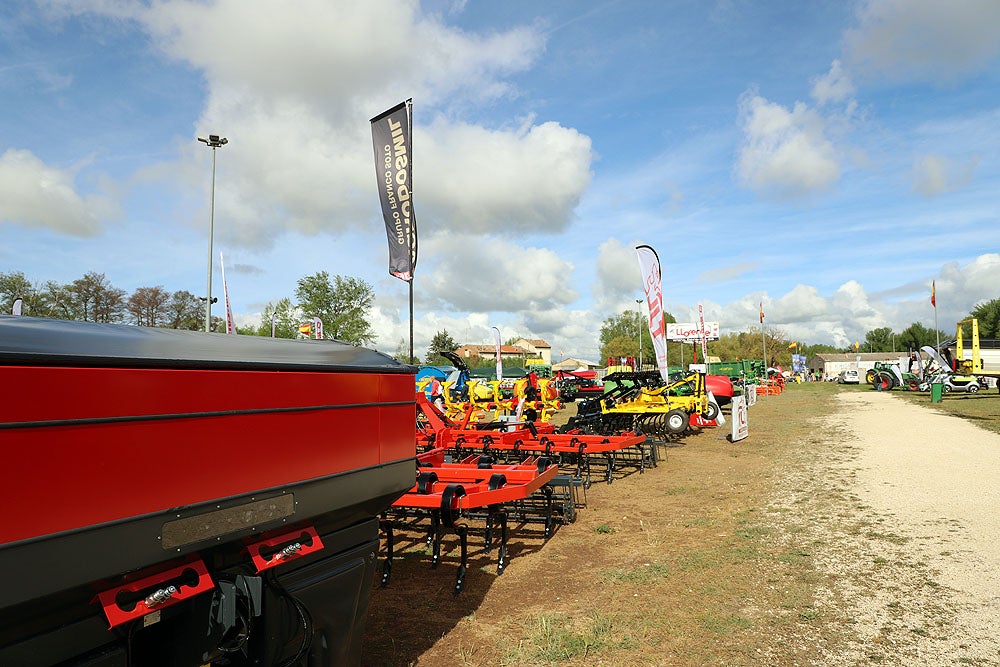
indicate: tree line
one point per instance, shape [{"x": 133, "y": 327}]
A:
[
  {"x": 621, "y": 334},
  {"x": 342, "y": 303}
]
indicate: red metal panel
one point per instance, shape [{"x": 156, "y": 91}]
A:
[
  {"x": 188, "y": 580},
  {"x": 64, "y": 477}
]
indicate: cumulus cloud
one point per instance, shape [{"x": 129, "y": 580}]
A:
[
  {"x": 477, "y": 273},
  {"x": 617, "y": 278},
  {"x": 834, "y": 86},
  {"x": 529, "y": 179},
  {"x": 924, "y": 39},
  {"x": 785, "y": 152},
  {"x": 933, "y": 175},
  {"x": 34, "y": 194},
  {"x": 300, "y": 154}
]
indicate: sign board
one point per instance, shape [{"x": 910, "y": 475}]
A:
[
  {"x": 750, "y": 393},
  {"x": 690, "y": 332},
  {"x": 740, "y": 427}
]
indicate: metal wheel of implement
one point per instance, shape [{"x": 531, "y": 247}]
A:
[{"x": 677, "y": 421}]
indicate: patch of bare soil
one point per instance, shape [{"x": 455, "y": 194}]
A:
[{"x": 832, "y": 536}]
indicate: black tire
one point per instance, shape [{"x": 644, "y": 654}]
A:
[
  {"x": 712, "y": 412},
  {"x": 972, "y": 388},
  {"x": 870, "y": 376},
  {"x": 677, "y": 421}
]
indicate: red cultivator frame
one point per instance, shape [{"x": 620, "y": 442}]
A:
[
  {"x": 446, "y": 492},
  {"x": 435, "y": 430},
  {"x": 477, "y": 471}
]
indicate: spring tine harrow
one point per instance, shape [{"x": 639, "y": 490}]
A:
[{"x": 447, "y": 493}]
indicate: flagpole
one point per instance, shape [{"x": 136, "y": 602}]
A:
[
  {"x": 413, "y": 230},
  {"x": 763, "y": 345},
  {"x": 937, "y": 331}
]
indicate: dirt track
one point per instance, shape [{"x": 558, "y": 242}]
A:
[{"x": 912, "y": 554}]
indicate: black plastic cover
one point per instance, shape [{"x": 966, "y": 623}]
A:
[{"x": 38, "y": 341}]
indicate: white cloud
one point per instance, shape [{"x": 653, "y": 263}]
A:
[
  {"x": 480, "y": 180},
  {"x": 925, "y": 39},
  {"x": 834, "y": 86},
  {"x": 481, "y": 273},
  {"x": 34, "y": 194},
  {"x": 934, "y": 174},
  {"x": 345, "y": 55},
  {"x": 617, "y": 279},
  {"x": 300, "y": 155},
  {"x": 785, "y": 152}
]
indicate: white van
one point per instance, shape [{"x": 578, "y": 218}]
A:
[{"x": 848, "y": 377}]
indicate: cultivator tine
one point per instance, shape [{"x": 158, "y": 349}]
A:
[
  {"x": 502, "y": 551},
  {"x": 386, "y": 525},
  {"x": 609, "y": 475},
  {"x": 548, "y": 511},
  {"x": 463, "y": 539},
  {"x": 434, "y": 539}
]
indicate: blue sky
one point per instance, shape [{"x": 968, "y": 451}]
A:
[{"x": 829, "y": 159}]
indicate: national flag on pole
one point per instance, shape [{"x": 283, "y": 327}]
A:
[
  {"x": 496, "y": 344},
  {"x": 305, "y": 329},
  {"x": 933, "y": 300},
  {"x": 762, "y": 312},
  {"x": 230, "y": 324},
  {"x": 392, "y": 139},
  {"x": 793, "y": 345},
  {"x": 649, "y": 268}
]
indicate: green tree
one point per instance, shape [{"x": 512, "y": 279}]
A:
[
  {"x": 342, "y": 304},
  {"x": 878, "y": 340},
  {"x": 916, "y": 336},
  {"x": 15, "y": 286},
  {"x": 442, "y": 341},
  {"x": 184, "y": 311},
  {"x": 620, "y": 335},
  {"x": 988, "y": 314},
  {"x": 286, "y": 320}
]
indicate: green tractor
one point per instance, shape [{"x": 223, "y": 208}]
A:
[{"x": 887, "y": 375}]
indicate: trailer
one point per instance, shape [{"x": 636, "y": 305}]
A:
[{"x": 178, "y": 499}]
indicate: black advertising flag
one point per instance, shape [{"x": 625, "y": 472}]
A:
[{"x": 391, "y": 137}]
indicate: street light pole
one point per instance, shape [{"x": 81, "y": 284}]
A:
[
  {"x": 214, "y": 141},
  {"x": 639, "y": 301}
]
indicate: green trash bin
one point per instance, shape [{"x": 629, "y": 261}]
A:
[{"x": 937, "y": 390}]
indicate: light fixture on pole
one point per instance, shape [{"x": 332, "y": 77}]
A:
[
  {"x": 639, "y": 301},
  {"x": 214, "y": 141}
]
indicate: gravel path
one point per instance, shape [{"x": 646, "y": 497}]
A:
[{"x": 898, "y": 505}]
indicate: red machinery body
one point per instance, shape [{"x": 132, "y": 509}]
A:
[
  {"x": 142, "y": 467},
  {"x": 86, "y": 446}
]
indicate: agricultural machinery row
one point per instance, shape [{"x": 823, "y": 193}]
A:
[
  {"x": 180, "y": 499},
  {"x": 930, "y": 368}
]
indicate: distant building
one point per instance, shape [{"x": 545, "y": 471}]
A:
[
  {"x": 537, "y": 346},
  {"x": 571, "y": 364},
  {"x": 481, "y": 355}
]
